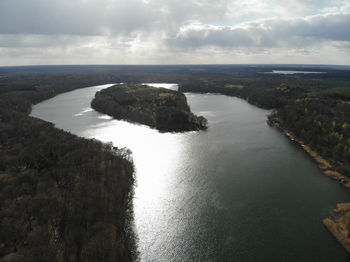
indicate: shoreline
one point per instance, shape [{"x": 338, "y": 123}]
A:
[
  {"x": 323, "y": 164},
  {"x": 338, "y": 222}
]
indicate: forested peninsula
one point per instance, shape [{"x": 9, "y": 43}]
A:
[{"x": 160, "y": 108}]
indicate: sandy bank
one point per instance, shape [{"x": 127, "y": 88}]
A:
[{"x": 338, "y": 224}]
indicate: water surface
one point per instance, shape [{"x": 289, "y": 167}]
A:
[
  {"x": 289, "y": 72},
  {"x": 240, "y": 191}
]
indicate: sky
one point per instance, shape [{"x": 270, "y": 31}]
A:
[{"x": 52, "y": 32}]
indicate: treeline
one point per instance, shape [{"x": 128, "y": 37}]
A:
[
  {"x": 62, "y": 198},
  {"x": 322, "y": 123},
  {"x": 266, "y": 93}
]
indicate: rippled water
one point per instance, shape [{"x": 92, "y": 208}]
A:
[{"x": 240, "y": 191}]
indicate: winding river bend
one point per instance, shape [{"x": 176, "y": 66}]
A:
[{"x": 240, "y": 191}]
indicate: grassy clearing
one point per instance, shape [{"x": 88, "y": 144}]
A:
[
  {"x": 164, "y": 95},
  {"x": 234, "y": 86}
]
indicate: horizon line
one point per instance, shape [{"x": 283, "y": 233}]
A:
[{"x": 224, "y": 64}]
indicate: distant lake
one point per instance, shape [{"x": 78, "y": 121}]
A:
[
  {"x": 240, "y": 191},
  {"x": 167, "y": 86},
  {"x": 287, "y": 72}
]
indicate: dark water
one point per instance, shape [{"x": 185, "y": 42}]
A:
[{"x": 240, "y": 191}]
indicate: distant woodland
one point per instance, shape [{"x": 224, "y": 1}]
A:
[{"x": 64, "y": 198}]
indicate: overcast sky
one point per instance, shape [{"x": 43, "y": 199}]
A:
[{"x": 47, "y": 32}]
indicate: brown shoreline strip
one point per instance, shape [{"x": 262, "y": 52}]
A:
[
  {"x": 338, "y": 224},
  {"x": 323, "y": 164}
]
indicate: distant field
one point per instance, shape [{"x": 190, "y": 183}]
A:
[{"x": 234, "y": 86}]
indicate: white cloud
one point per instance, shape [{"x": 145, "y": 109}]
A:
[
  {"x": 267, "y": 33},
  {"x": 168, "y": 31}
]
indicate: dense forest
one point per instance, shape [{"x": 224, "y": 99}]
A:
[
  {"x": 64, "y": 198},
  {"x": 164, "y": 109},
  {"x": 323, "y": 124}
]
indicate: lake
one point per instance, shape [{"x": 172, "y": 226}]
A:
[
  {"x": 289, "y": 72},
  {"x": 239, "y": 191}
]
